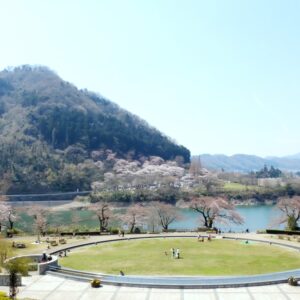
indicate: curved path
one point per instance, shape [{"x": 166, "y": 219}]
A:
[{"x": 186, "y": 281}]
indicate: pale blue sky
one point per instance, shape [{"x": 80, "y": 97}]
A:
[{"x": 216, "y": 76}]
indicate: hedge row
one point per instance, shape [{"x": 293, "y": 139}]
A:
[{"x": 288, "y": 232}]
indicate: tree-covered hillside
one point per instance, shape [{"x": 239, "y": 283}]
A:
[{"x": 49, "y": 130}]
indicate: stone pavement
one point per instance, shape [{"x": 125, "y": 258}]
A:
[{"x": 49, "y": 287}]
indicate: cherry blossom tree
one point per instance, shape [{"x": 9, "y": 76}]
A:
[
  {"x": 167, "y": 214},
  {"x": 290, "y": 208},
  {"x": 7, "y": 215},
  {"x": 103, "y": 214},
  {"x": 11, "y": 217},
  {"x": 214, "y": 210},
  {"x": 134, "y": 215},
  {"x": 39, "y": 214},
  {"x": 152, "y": 218},
  {"x": 4, "y": 210}
]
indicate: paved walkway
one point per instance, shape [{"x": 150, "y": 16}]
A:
[
  {"x": 196, "y": 282},
  {"x": 50, "y": 287}
]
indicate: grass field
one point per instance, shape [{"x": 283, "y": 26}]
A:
[
  {"x": 148, "y": 257},
  {"x": 237, "y": 187}
]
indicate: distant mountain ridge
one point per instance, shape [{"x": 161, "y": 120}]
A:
[{"x": 246, "y": 163}]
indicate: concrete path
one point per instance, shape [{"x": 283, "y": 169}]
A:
[
  {"x": 188, "y": 281},
  {"x": 50, "y": 287}
]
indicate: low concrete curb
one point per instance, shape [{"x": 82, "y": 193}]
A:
[{"x": 190, "y": 282}]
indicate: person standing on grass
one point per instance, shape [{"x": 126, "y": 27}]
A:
[
  {"x": 177, "y": 253},
  {"x": 172, "y": 252}
]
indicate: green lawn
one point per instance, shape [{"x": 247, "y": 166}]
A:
[{"x": 219, "y": 257}]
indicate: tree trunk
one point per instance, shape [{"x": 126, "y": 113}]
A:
[
  {"x": 205, "y": 221},
  {"x": 13, "y": 286},
  {"x": 131, "y": 228},
  {"x": 11, "y": 224},
  {"x": 100, "y": 225}
]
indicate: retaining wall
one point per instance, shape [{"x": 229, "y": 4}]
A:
[
  {"x": 4, "y": 280},
  {"x": 42, "y": 266}
]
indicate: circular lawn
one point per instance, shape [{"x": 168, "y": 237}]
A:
[{"x": 154, "y": 257}]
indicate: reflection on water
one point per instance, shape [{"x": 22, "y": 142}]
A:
[
  {"x": 255, "y": 217},
  {"x": 47, "y": 203}
]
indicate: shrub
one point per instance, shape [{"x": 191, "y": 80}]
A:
[
  {"x": 32, "y": 267},
  {"x": 169, "y": 230},
  {"x": 14, "y": 231},
  {"x": 292, "y": 281},
  {"x": 95, "y": 283},
  {"x": 114, "y": 231},
  {"x": 289, "y": 232},
  {"x": 137, "y": 230}
]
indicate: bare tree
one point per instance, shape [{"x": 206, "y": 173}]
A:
[
  {"x": 134, "y": 215},
  {"x": 291, "y": 211},
  {"x": 103, "y": 214},
  {"x": 167, "y": 214},
  {"x": 215, "y": 209}
]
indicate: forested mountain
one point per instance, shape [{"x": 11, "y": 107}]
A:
[
  {"x": 247, "y": 163},
  {"x": 49, "y": 131}
]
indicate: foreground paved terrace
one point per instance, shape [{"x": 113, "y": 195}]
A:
[
  {"x": 186, "y": 281},
  {"x": 54, "y": 287},
  {"x": 50, "y": 287}
]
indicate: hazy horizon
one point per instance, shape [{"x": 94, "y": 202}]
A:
[{"x": 217, "y": 77}]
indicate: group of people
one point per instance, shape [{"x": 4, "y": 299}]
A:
[
  {"x": 201, "y": 238},
  {"x": 121, "y": 233},
  {"x": 175, "y": 253},
  {"x": 46, "y": 257}
]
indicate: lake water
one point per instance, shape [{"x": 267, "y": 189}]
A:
[{"x": 255, "y": 217}]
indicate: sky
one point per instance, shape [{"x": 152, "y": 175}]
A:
[{"x": 215, "y": 76}]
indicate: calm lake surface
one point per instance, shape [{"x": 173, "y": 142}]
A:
[{"x": 255, "y": 217}]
